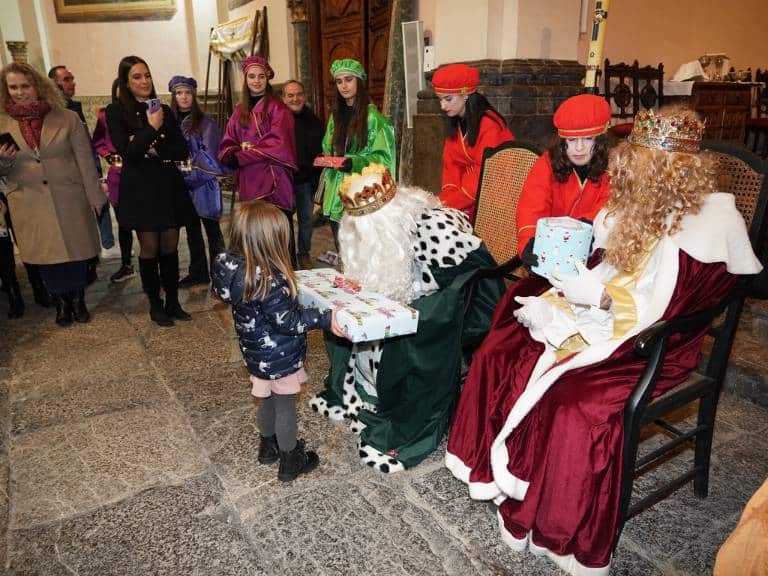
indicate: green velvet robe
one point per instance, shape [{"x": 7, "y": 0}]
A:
[
  {"x": 379, "y": 149},
  {"x": 418, "y": 378}
]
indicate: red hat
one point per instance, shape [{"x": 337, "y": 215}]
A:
[
  {"x": 259, "y": 61},
  {"x": 456, "y": 79},
  {"x": 582, "y": 116}
]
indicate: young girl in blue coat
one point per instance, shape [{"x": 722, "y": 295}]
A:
[{"x": 256, "y": 278}]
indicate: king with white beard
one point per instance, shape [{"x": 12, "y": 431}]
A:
[{"x": 403, "y": 243}]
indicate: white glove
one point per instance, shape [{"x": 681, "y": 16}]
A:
[
  {"x": 583, "y": 288},
  {"x": 535, "y": 312}
]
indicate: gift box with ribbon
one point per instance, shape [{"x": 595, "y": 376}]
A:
[{"x": 363, "y": 316}]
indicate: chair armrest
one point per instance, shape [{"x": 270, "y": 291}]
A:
[{"x": 649, "y": 338}]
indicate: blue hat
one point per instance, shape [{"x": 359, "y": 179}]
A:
[{"x": 182, "y": 81}]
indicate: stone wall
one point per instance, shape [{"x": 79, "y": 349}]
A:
[{"x": 525, "y": 92}]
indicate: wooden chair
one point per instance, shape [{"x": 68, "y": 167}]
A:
[
  {"x": 744, "y": 175},
  {"x": 502, "y": 176},
  {"x": 758, "y": 127},
  {"x": 630, "y": 88}
]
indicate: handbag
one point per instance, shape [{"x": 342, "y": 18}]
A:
[
  {"x": 207, "y": 200},
  {"x": 201, "y": 177},
  {"x": 201, "y": 167}
]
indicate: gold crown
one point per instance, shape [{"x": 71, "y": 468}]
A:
[
  {"x": 368, "y": 191},
  {"x": 679, "y": 131}
]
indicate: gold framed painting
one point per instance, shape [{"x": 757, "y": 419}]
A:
[{"x": 107, "y": 10}]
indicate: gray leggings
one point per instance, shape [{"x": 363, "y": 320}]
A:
[{"x": 277, "y": 415}]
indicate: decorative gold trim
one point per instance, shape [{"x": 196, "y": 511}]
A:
[
  {"x": 463, "y": 91},
  {"x": 74, "y": 11},
  {"x": 584, "y": 132}
]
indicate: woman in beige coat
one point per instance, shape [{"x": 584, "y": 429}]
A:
[{"x": 51, "y": 184}]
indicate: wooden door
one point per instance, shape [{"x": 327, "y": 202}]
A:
[
  {"x": 356, "y": 29},
  {"x": 378, "y": 44}
]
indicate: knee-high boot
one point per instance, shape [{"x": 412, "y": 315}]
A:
[
  {"x": 39, "y": 291},
  {"x": 150, "y": 281},
  {"x": 169, "y": 273}
]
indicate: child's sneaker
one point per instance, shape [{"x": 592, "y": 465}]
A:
[
  {"x": 329, "y": 257},
  {"x": 125, "y": 273},
  {"x": 296, "y": 462},
  {"x": 268, "y": 452}
]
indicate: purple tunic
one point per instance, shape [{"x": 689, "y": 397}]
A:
[
  {"x": 266, "y": 153},
  {"x": 102, "y": 143}
]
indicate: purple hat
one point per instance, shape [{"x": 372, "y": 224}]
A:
[
  {"x": 182, "y": 81},
  {"x": 258, "y": 61}
]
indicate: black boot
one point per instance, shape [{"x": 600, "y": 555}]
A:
[
  {"x": 81, "y": 313},
  {"x": 169, "y": 273},
  {"x": 15, "y": 301},
  {"x": 63, "y": 309},
  {"x": 150, "y": 281},
  {"x": 268, "y": 451},
  {"x": 296, "y": 462},
  {"x": 39, "y": 291}
]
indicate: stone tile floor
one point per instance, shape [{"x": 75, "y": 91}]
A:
[{"x": 129, "y": 449}]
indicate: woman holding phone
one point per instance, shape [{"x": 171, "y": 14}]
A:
[
  {"x": 51, "y": 184},
  {"x": 153, "y": 197}
]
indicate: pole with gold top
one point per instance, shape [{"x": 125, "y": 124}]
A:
[{"x": 596, "y": 46}]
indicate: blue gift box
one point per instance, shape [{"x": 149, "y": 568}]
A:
[{"x": 559, "y": 244}]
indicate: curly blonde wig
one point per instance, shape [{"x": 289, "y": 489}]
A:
[
  {"x": 651, "y": 191},
  {"x": 45, "y": 88}
]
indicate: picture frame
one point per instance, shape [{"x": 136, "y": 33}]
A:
[{"x": 110, "y": 10}]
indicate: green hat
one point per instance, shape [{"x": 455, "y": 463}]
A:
[{"x": 347, "y": 66}]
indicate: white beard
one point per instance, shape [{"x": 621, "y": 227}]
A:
[{"x": 377, "y": 249}]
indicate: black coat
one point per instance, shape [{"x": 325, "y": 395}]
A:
[
  {"x": 309, "y": 145},
  {"x": 153, "y": 195},
  {"x": 272, "y": 331}
]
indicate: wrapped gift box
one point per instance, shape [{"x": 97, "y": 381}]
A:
[
  {"x": 364, "y": 316},
  {"x": 559, "y": 244}
]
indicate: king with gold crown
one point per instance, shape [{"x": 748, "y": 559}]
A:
[
  {"x": 400, "y": 241},
  {"x": 540, "y": 421}
]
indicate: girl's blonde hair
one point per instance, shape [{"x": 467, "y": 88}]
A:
[
  {"x": 651, "y": 191},
  {"x": 259, "y": 231}
]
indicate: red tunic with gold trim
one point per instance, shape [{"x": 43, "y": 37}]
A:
[
  {"x": 462, "y": 163},
  {"x": 266, "y": 153},
  {"x": 543, "y": 196}
]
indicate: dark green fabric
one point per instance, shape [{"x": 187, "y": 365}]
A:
[{"x": 418, "y": 377}]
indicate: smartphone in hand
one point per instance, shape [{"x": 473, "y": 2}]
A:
[
  {"x": 153, "y": 105},
  {"x": 7, "y": 139}
]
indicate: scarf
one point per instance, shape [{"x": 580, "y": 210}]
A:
[{"x": 30, "y": 118}]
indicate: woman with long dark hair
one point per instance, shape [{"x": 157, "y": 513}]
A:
[
  {"x": 203, "y": 138},
  {"x": 569, "y": 179},
  {"x": 356, "y": 130},
  {"x": 471, "y": 126},
  {"x": 153, "y": 197}
]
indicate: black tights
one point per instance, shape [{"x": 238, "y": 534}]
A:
[{"x": 154, "y": 243}]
